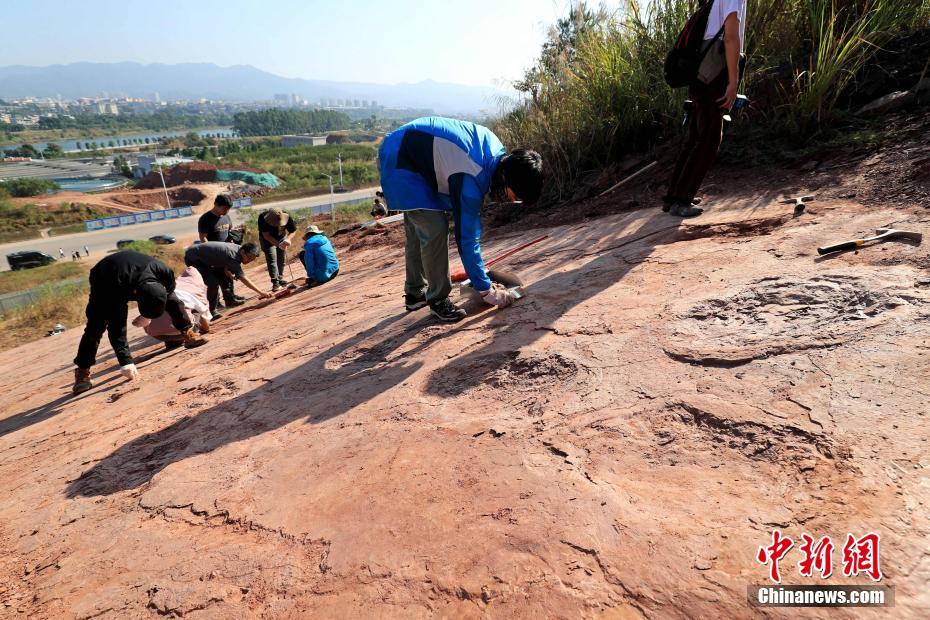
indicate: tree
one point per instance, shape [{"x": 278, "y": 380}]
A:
[
  {"x": 20, "y": 188},
  {"x": 122, "y": 166},
  {"x": 147, "y": 141},
  {"x": 53, "y": 151},
  {"x": 111, "y": 144},
  {"x": 27, "y": 150}
]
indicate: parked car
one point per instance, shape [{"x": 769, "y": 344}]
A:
[
  {"x": 163, "y": 239},
  {"x": 122, "y": 243},
  {"x": 27, "y": 259}
]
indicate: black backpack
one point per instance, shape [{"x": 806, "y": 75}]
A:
[{"x": 685, "y": 57}]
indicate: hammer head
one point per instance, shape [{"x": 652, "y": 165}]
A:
[{"x": 891, "y": 233}]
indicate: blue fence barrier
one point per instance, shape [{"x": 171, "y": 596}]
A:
[{"x": 140, "y": 218}]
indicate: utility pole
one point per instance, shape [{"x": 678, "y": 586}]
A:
[
  {"x": 332, "y": 197},
  {"x": 162, "y": 175},
  {"x": 341, "y": 184}
]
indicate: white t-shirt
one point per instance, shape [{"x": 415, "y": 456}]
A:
[{"x": 718, "y": 15}]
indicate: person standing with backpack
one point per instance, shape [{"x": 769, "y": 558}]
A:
[{"x": 711, "y": 67}]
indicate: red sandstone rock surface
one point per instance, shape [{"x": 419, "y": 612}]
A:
[{"x": 620, "y": 442}]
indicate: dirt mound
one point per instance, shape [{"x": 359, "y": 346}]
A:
[
  {"x": 156, "y": 200},
  {"x": 194, "y": 172}
]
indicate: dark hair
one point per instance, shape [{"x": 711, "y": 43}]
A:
[
  {"x": 249, "y": 248},
  {"x": 222, "y": 200},
  {"x": 522, "y": 172},
  {"x": 152, "y": 299}
]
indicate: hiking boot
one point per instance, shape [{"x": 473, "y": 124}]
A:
[
  {"x": 237, "y": 298},
  {"x": 414, "y": 302},
  {"x": 446, "y": 311},
  {"x": 171, "y": 345},
  {"x": 275, "y": 287},
  {"x": 683, "y": 209},
  {"x": 192, "y": 339},
  {"x": 216, "y": 315},
  {"x": 232, "y": 303},
  {"x": 82, "y": 381}
]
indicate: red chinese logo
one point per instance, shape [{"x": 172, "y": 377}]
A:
[
  {"x": 774, "y": 553},
  {"x": 817, "y": 557},
  {"x": 861, "y": 556}
]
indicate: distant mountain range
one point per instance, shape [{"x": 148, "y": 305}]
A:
[{"x": 236, "y": 83}]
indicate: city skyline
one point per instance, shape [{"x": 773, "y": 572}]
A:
[{"x": 355, "y": 41}]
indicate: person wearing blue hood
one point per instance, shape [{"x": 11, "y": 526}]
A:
[
  {"x": 318, "y": 257},
  {"x": 435, "y": 166}
]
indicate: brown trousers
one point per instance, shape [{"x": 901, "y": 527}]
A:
[{"x": 705, "y": 133}]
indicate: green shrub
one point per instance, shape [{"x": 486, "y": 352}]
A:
[
  {"x": 22, "y": 188},
  {"x": 597, "y": 91}
]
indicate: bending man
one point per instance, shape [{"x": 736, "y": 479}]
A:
[
  {"x": 433, "y": 166},
  {"x": 114, "y": 282},
  {"x": 218, "y": 263},
  {"x": 274, "y": 229},
  {"x": 191, "y": 290}
]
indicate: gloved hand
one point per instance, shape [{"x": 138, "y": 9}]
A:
[
  {"x": 129, "y": 371},
  {"x": 498, "y": 296},
  {"x": 284, "y": 244}
]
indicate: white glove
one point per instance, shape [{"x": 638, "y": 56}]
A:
[
  {"x": 284, "y": 244},
  {"x": 497, "y": 296},
  {"x": 129, "y": 371}
]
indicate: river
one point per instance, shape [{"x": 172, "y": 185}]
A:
[{"x": 70, "y": 146}]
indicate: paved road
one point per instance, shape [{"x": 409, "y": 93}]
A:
[{"x": 185, "y": 229}]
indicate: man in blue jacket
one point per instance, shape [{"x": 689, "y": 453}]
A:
[
  {"x": 433, "y": 166},
  {"x": 318, "y": 257}
]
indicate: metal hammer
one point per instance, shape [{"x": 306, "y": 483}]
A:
[
  {"x": 799, "y": 202},
  {"x": 882, "y": 234}
]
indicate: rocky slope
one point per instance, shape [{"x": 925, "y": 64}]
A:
[{"x": 620, "y": 442}]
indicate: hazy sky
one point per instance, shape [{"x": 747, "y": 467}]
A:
[{"x": 480, "y": 42}]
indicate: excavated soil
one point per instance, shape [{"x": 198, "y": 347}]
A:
[
  {"x": 136, "y": 200},
  {"x": 618, "y": 443}
]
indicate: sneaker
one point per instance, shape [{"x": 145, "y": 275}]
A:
[
  {"x": 275, "y": 287},
  {"x": 669, "y": 201},
  {"x": 82, "y": 381},
  {"x": 216, "y": 315},
  {"x": 446, "y": 311},
  {"x": 682, "y": 209},
  {"x": 414, "y": 302}
]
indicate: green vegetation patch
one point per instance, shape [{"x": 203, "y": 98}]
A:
[
  {"x": 24, "y": 188},
  {"x": 11, "y": 281},
  {"x": 24, "y": 222}
]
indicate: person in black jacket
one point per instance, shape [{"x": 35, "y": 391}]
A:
[{"x": 114, "y": 282}]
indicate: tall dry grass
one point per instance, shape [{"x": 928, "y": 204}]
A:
[{"x": 598, "y": 90}]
